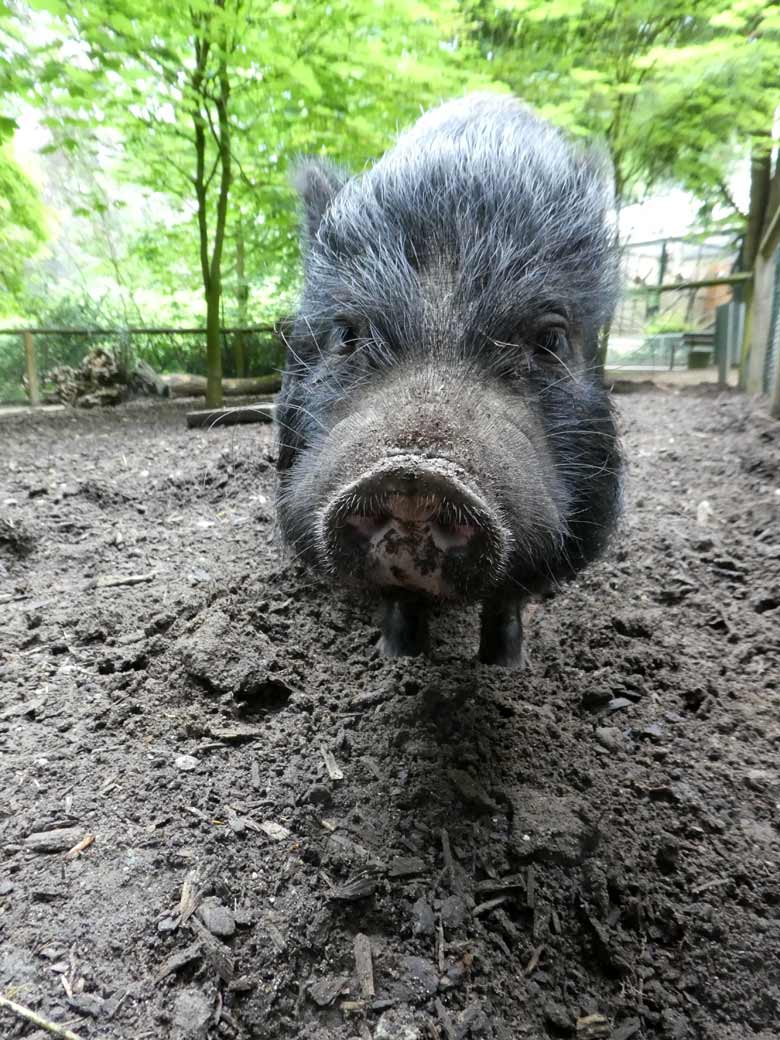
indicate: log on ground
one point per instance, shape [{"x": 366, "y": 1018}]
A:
[
  {"x": 249, "y": 413},
  {"x": 182, "y": 384}
]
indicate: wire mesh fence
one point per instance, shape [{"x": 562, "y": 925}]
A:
[
  {"x": 252, "y": 351},
  {"x": 667, "y": 319}
]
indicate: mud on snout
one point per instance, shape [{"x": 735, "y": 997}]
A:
[{"x": 415, "y": 523}]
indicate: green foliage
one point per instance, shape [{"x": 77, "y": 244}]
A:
[
  {"x": 173, "y": 127},
  {"x": 677, "y": 90},
  {"x": 210, "y": 101},
  {"x": 22, "y": 228},
  {"x": 667, "y": 323}
]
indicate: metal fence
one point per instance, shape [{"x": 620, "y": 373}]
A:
[
  {"x": 772, "y": 356},
  {"x": 668, "y": 318}
]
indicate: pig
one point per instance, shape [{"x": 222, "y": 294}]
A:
[{"x": 443, "y": 432}]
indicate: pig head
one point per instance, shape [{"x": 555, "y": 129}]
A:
[{"x": 443, "y": 432}]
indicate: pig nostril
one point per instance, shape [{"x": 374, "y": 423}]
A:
[
  {"x": 365, "y": 525},
  {"x": 452, "y": 535}
]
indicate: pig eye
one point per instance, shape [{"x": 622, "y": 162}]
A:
[
  {"x": 346, "y": 337},
  {"x": 551, "y": 338}
]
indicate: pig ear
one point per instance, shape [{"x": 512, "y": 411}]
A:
[{"x": 318, "y": 182}]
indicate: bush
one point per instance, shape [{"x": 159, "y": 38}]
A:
[{"x": 666, "y": 324}]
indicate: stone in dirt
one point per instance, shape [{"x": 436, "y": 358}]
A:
[
  {"x": 217, "y": 917},
  {"x": 274, "y": 830},
  {"x": 593, "y": 1027},
  {"x": 191, "y": 1015},
  {"x": 318, "y": 794},
  {"x": 325, "y": 990},
  {"x": 549, "y": 828},
  {"x": 423, "y": 922},
  {"x": 609, "y": 737},
  {"x": 453, "y": 912},
  {"x": 87, "y": 1004},
  {"x": 471, "y": 790},
  {"x": 186, "y": 763},
  {"x": 397, "y": 1024},
  {"x": 15, "y": 539},
  {"x": 557, "y": 1015},
  {"x": 418, "y": 979},
  {"x": 223, "y": 659}
]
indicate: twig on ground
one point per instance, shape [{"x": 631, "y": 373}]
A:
[
  {"x": 85, "y": 842},
  {"x": 37, "y": 1020},
  {"x": 534, "y": 961},
  {"x": 489, "y": 904},
  {"x": 110, "y": 581}
]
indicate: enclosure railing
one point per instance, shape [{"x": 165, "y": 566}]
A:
[
  {"x": 634, "y": 342},
  {"x": 27, "y": 336},
  {"x": 668, "y": 326}
]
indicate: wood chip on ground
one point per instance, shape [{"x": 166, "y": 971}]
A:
[{"x": 364, "y": 965}]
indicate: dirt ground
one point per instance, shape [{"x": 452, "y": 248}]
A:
[{"x": 295, "y": 838}]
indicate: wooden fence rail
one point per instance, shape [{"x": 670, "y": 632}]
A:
[
  {"x": 738, "y": 278},
  {"x": 31, "y": 361}
]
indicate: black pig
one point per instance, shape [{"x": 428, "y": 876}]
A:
[{"x": 443, "y": 433}]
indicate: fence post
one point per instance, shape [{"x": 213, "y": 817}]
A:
[
  {"x": 32, "y": 368},
  {"x": 774, "y": 401}
]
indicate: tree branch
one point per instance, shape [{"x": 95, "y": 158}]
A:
[
  {"x": 224, "y": 156},
  {"x": 728, "y": 198}
]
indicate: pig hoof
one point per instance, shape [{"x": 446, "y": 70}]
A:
[
  {"x": 516, "y": 659},
  {"x": 501, "y": 641},
  {"x": 404, "y": 629}
]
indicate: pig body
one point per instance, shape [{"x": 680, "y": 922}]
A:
[{"x": 443, "y": 432}]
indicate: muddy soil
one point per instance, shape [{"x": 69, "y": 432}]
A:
[{"x": 284, "y": 835}]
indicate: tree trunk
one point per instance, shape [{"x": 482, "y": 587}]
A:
[
  {"x": 214, "y": 291},
  {"x": 211, "y": 267},
  {"x": 213, "y": 347},
  {"x": 242, "y": 298}
]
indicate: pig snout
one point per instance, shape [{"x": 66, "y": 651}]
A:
[{"x": 415, "y": 526}]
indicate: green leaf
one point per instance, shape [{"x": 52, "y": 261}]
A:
[{"x": 304, "y": 77}]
